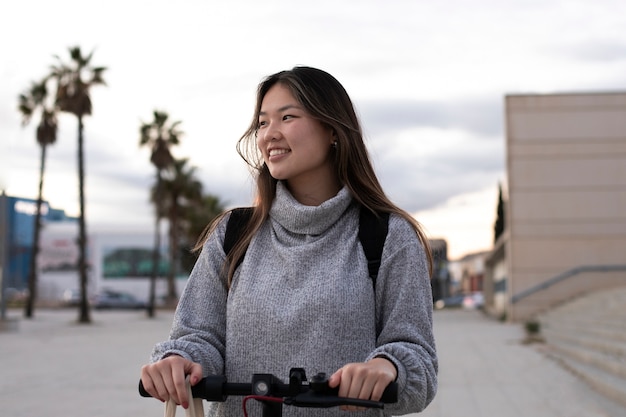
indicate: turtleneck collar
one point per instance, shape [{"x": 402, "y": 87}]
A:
[{"x": 307, "y": 220}]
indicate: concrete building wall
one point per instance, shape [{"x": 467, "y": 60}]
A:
[
  {"x": 566, "y": 163},
  {"x": 496, "y": 279}
]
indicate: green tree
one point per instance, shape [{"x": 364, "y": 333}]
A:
[
  {"x": 198, "y": 217},
  {"x": 181, "y": 191},
  {"x": 159, "y": 136},
  {"x": 499, "y": 224},
  {"x": 74, "y": 82},
  {"x": 30, "y": 103}
]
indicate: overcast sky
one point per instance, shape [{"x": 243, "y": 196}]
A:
[{"x": 427, "y": 77}]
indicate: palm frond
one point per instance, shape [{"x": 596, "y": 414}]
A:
[{"x": 72, "y": 91}]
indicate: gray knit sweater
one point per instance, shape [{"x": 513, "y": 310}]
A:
[{"x": 303, "y": 298}]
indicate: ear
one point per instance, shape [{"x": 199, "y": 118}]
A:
[{"x": 332, "y": 134}]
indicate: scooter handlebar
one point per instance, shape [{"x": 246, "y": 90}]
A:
[{"x": 315, "y": 393}]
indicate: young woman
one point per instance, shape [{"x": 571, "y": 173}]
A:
[{"x": 295, "y": 289}]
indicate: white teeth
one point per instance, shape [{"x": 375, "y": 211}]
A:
[{"x": 274, "y": 152}]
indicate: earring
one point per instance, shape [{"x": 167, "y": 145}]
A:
[{"x": 334, "y": 145}]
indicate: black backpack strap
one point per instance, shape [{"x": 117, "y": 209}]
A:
[
  {"x": 237, "y": 221},
  {"x": 373, "y": 229}
]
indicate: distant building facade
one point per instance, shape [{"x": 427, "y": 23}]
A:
[
  {"x": 470, "y": 270},
  {"x": 441, "y": 282},
  {"x": 566, "y": 207},
  {"x": 117, "y": 258},
  {"x": 17, "y": 226}
]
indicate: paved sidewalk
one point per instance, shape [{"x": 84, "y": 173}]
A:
[
  {"x": 52, "y": 367},
  {"x": 486, "y": 371}
]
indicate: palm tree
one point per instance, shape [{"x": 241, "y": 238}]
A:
[
  {"x": 74, "y": 81},
  {"x": 29, "y": 103},
  {"x": 201, "y": 214},
  {"x": 197, "y": 217},
  {"x": 181, "y": 190},
  {"x": 159, "y": 135}
]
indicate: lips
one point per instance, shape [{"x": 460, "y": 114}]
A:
[{"x": 276, "y": 152}]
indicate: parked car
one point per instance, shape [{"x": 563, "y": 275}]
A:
[
  {"x": 70, "y": 298},
  {"x": 15, "y": 297},
  {"x": 466, "y": 301},
  {"x": 109, "y": 299},
  {"x": 473, "y": 300},
  {"x": 454, "y": 301}
]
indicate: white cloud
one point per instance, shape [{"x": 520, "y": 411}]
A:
[{"x": 465, "y": 221}]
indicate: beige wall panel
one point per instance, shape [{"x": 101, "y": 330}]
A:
[
  {"x": 603, "y": 205},
  {"x": 549, "y": 173},
  {"x": 555, "y": 125},
  {"x": 559, "y": 149},
  {"x": 568, "y": 229},
  {"x": 545, "y": 102},
  {"x": 564, "y": 254}
]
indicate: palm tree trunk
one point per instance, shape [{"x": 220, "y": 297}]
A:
[
  {"x": 172, "y": 295},
  {"x": 32, "y": 276},
  {"x": 156, "y": 251},
  {"x": 156, "y": 258},
  {"x": 83, "y": 316}
]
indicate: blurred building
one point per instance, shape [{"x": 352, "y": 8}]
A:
[
  {"x": 17, "y": 226},
  {"x": 441, "y": 281},
  {"x": 470, "y": 270},
  {"x": 566, "y": 207},
  {"x": 118, "y": 258}
]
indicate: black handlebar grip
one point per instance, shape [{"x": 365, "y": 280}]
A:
[
  {"x": 142, "y": 390},
  {"x": 210, "y": 388},
  {"x": 390, "y": 395}
]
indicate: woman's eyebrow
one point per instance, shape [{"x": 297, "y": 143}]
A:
[{"x": 281, "y": 109}]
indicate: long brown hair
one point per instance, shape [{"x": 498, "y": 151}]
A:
[{"x": 325, "y": 99}]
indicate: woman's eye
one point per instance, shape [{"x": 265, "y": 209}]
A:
[
  {"x": 287, "y": 117},
  {"x": 261, "y": 124}
]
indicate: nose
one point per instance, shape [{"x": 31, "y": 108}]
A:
[{"x": 269, "y": 133}]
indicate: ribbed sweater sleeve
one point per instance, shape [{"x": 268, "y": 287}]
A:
[
  {"x": 199, "y": 326},
  {"x": 404, "y": 318}
]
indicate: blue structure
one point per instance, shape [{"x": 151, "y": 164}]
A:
[{"x": 17, "y": 224}]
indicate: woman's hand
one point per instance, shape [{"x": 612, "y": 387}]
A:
[
  {"x": 165, "y": 379},
  {"x": 366, "y": 380}
]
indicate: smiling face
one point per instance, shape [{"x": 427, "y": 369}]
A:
[{"x": 296, "y": 147}]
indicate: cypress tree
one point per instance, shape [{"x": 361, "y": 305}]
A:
[{"x": 499, "y": 225}]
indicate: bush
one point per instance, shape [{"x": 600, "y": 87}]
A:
[{"x": 533, "y": 327}]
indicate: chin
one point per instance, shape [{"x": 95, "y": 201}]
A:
[{"x": 278, "y": 175}]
